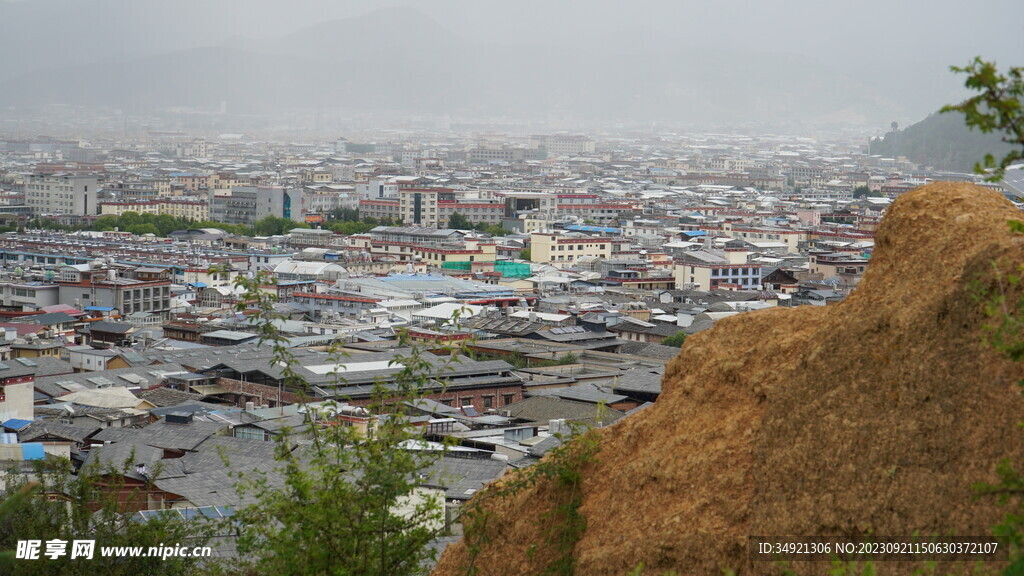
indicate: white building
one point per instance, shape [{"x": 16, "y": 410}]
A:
[{"x": 62, "y": 194}]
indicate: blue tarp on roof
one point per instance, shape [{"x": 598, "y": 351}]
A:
[
  {"x": 692, "y": 233},
  {"x": 32, "y": 451},
  {"x": 16, "y": 424},
  {"x": 587, "y": 228},
  {"x": 198, "y": 284},
  {"x": 100, "y": 308}
]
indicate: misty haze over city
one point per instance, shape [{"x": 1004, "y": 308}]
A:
[
  {"x": 469, "y": 287},
  {"x": 317, "y": 65}
]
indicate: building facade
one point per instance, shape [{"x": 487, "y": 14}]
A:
[{"x": 62, "y": 194}]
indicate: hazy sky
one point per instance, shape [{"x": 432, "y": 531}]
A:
[
  {"x": 898, "y": 51},
  {"x": 867, "y": 28}
]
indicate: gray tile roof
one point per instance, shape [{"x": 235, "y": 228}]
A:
[
  {"x": 164, "y": 396},
  {"x": 43, "y": 429},
  {"x": 580, "y": 393},
  {"x": 143, "y": 376},
  {"x": 544, "y": 408},
  {"x": 462, "y": 477}
]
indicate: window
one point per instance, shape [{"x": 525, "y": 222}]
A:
[
  {"x": 488, "y": 402},
  {"x": 507, "y": 399},
  {"x": 465, "y": 400}
]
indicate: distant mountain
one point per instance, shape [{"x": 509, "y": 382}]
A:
[
  {"x": 943, "y": 141},
  {"x": 400, "y": 59}
]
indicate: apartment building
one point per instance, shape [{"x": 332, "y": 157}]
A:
[
  {"x": 558, "y": 250},
  {"x": 61, "y": 194},
  {"x": 476, "y": 211},
  {"x": 148, "y": 291},
  {"x": 457, "y": 257},
  {"x": 377, "y": 190},
  {"x": 247, "y": 204},
  {"x": 193, "y": 209},
  {"x": 712, "y": 268},
  {"x": 419, "y": 206},
  {"x": 27, "y": 295},
  {"x": 563, "y": 144},
  {"x": 380, "y": 209}
]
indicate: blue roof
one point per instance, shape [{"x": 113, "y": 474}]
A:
[
  {"x": 32, "y": 451},
  {"x": 100, "y": 308},
  {"x": 198, "y": 284},
  {"x": 16, "y": 424},
  {"x": 588, "y": 228},
  {"x": 692, "y": 233}
]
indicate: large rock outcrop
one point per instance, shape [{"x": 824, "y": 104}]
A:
[{"x": 877, "y": 414}]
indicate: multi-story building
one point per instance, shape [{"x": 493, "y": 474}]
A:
[
  {"x": 457, "y": 257},
  {"x": 566, "y": 249},
  {"x": 712, "y": 268},
  {"x": 193, "y": 149},
  {"x": 192, "y": 182},
  {"x": 28, "y": 295},
  {"x": 792, "y": 238},
  {"x": 419, "y": 206},
  {"x": 377, "y": 190},
  {"x": 119, "y": 207},
  {"x": 17, "y": 390},
  {"x": 320, "y": 199},
  {"x": 84, "y": 285},
  {"x": 193, "y": 209},
  {"x": 62, "y": 194},
  {"x": 563, "y": 144},
  {"x": 380, "y": 210},
  {"x": 247, "y": 204},
  {"x": 476, "y": 211}
]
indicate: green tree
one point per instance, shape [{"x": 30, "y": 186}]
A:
[
  {"x": 140, "y": 229},
  {"x": 492, "y": 230},
  {"x": 271, "y": 225},
  {"x": 351, "y": 502},
  {"x": 997, "y": 108},
  {"x": 92, "y": 506},
  {"x": 861, "y": 192},
  {"x": 345, "y": 214},
  {"x": 459, "y": 222},
  {"x": 676, "y": 340},
  {"x": 525, "y": 254}
]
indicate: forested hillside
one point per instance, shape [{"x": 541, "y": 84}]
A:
[{"x": 942, "y": 141}]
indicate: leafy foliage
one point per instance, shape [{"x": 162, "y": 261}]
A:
[
  {"x": 676, "y": 340},
  {"x": 271, "y": 225},
  {"x": 459, "y": 222},
  {"x": 940, "y": 140},
  {"x": 91, "y": 506},
  {"x": 347, "y": 221},
  {"x": 1004, "y": 305},
  {"x": 997, "y": 108},
  {"x": 160, "y": 225},
  {"x": 352, "y": 502}
]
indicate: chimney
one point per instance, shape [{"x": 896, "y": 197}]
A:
[{"x": 554, "y": 426}]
